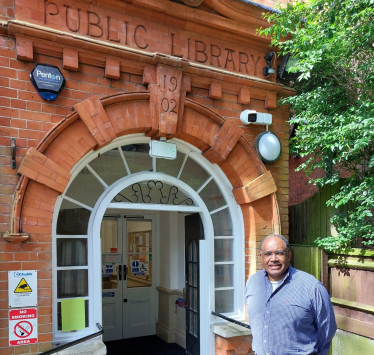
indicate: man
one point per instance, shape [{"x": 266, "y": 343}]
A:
[{"x": 289, "y": 311}]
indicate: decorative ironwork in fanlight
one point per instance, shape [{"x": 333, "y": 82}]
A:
[{"x": 154, "y": 192}]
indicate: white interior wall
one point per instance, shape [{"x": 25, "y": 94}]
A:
[
  {"x": 180, "y": 279},
  {"x": 138, "y": 226},
  {"x": 164, "y": 250},
  {"x": 172, "y": 250}
]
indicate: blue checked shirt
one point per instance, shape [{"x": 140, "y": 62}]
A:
[{"x": 297, "y": 318}]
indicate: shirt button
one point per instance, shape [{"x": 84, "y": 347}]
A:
[
  {"x": 266, "y": 326},
  {"x": 267, "y": 312},
  {"x": 264, "y": 341}
]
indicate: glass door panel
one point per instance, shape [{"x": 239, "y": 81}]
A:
[
  {"x": 139, "y": 257},
  {"x": 112, "y": 276},
  {"x": 140, "y": 270},
  {"x": 109, "y": 246},
  {"x": 139, "y": 294}
]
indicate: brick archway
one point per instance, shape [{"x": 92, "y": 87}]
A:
[{"x": 96, "y": 122}]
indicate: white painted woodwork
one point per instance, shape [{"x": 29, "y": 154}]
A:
[
  {"x": 172, "y": 275},
  {"x": 171, "y": 326}
]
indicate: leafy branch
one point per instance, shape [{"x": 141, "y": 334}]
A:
[{"x": 334, "y": 106}]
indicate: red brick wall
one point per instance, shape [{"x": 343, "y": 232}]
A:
[
  {"x": 300, "y": 189},
  {"x": 27, "y": 118},
  {"x": 228, "y": 107}
]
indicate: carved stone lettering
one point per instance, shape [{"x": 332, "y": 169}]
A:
[
  {"x": 230, "y": 59},
  {"x": 93, "y": 25},
  {"x": 126, "y": 24},
  {"x": 108, "y": 37},
  {"x": 214, "y": 48},
  {"x": 243, "y": 60},
  {"x": 47, "y": 8},
  {"x": 255, "y": 63},
  {"x": 137, "y": 39},
  {"x": 169, "y": 80},
  {"x": 199, "y": 53},
  {"x": 69, "y": 18},
  {"x": 204, "y": 50}
]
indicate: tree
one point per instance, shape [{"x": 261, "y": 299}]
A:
[{"x": 334, "y": 105}]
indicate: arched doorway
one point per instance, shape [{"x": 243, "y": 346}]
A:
[
  {"x": 190, "y": 184},
  {"x": 96, "y": 127}
]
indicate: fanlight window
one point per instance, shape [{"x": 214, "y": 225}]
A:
[
  {"x": 72, "y": 239},
  {"x": 155, "y": 192}
]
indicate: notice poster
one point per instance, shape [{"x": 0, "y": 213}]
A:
[
  {"x": 22, "y": 288},
  {"x": 73, "y": 314},
  {"x": 113, "y": 258}
]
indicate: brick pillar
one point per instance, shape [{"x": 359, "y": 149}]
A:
[
  {"x": 232, "y": 339},
  {"x": 240, "y": 345}
]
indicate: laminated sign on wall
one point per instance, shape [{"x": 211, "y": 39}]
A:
[
  {"x": 22, "y": 289},
  {"x": 23, "y": 326}
]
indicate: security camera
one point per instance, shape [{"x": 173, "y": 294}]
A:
[{"x": 254, "y": 117}]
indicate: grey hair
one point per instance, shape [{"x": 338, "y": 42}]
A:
[{"x": 279, "y": 236}]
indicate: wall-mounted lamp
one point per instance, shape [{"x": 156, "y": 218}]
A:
[
  {"x": 162, "y": 149},
  {"x": 268, "y": 70},
  {"x": 268, "y": 147}
]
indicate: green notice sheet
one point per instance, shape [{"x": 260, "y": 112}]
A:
[{"x": 73, "y": 314}]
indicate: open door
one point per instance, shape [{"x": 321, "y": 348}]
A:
[
  {"x": 128, "y": 282},
  {"x": 193, "y": 233}
]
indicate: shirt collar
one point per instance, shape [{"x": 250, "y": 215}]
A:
[{"x": 288, "y": 273}]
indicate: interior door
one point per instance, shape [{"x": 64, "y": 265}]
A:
[
  {"x": 111, "y": 232},
  {"x": 139, "y": 293},
  {"x": 193, "y": 233},
  {"x": 128, "y": 284}
]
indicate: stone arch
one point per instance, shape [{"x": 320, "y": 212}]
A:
[{"x": 96, "y": 122}]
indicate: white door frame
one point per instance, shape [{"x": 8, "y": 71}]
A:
[{"x": 207, "y": 245}]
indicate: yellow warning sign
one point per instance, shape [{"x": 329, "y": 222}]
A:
[{"x": 23, "y": 287}]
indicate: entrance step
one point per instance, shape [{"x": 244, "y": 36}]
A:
[{"x": 86, "y": 348}]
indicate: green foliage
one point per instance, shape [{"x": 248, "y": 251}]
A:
[{"x": 334, "y": 105}]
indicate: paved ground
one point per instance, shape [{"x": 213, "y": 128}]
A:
[{"x": 151, "y": 345}]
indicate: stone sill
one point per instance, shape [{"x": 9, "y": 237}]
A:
[
  {"x": 229, "y": 330},
  {"x": 93, "y": 347}
]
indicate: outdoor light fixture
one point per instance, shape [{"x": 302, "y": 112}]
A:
[
  {"x": 162, "y": 149},
  {"x": 268, "y": 147},
  {"x": 47, "y": 80},
  {"x": 268, "y": 69}
]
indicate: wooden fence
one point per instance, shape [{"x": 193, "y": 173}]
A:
[{"x": 348, "y": 275}]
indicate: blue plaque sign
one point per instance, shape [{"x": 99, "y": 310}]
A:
[{"x": 47, "y": 80}]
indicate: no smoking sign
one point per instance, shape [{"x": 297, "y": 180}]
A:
[{"x": 23, "y": 326}]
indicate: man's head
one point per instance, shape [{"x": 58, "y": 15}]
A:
[{"x": 275, "y": 256}]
